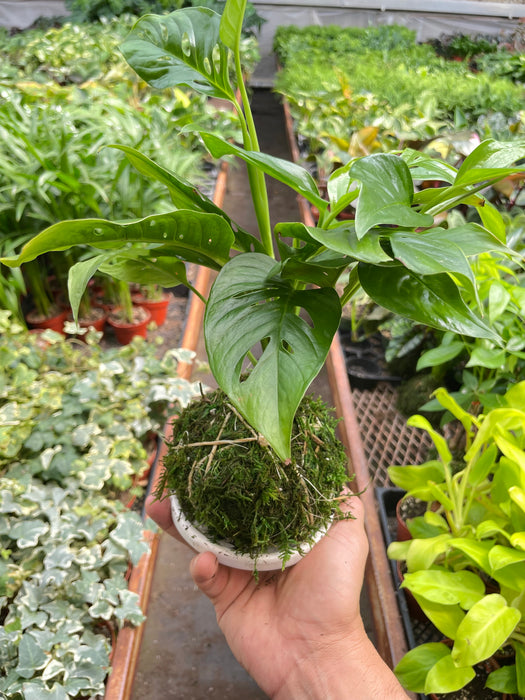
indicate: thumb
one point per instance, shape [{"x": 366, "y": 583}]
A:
[{"x": 207, "y": 574}]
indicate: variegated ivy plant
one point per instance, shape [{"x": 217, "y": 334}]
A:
[{"x": 274, "y": 298}]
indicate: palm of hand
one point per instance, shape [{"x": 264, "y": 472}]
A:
[{"x": 286, "y": 618}]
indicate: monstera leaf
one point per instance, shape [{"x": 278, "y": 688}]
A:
[
  {"x": 251, "y": 306},
  {"x": 181, "y": 48}
]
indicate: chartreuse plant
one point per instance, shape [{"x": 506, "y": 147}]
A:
[
  {"x": 466, "y": 561},
  {"x": 273, "y": 310}
]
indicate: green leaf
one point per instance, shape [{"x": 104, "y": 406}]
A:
[
  {"x": 433, "y": 300},
  {"x": 483, "y": 465},
  {"x": 28, "y": 532},
  {"x": 386, "y": 194},
  {"x": 134, "y": 267},
  {"x": 422, "y": 553},
  {"x": 487, "y": 357},
  {"x": 323, "y": 274},
  {"x": 31, "y": 658},
  {"x": 250, "y": 303},
  {"x": 472, "y": 238},
  {"x": 343, "y": 239},
  {"x": 424, "y": 167},
  {"x": 185, "y": 195},
  {"x": 79, "y": 276},
  {"x": 129, "y": 534},
  {"x": 181, "y": 48},
  {"x": 284, "y": 171},
  {"x": 415, "y": 665},
  {"x": 493, "y": 220},
  {"x": 440, "y": 355},
  {"x": 417, "y": 421},
  {"x": 503, "y": 680},
  {"x": 197, "y": 237},
  {"x": 477, "y": 551},
  {"x": 35, "y": 691},
  {"x": 446, "y": 618},
  {"x": 491, "y": 159},
  {"x": 129, "y": 608},
  {"x": 231, "y": 22},
  {"x": 446, "y": 587},
  {"x": 428, "y": 255},
  {"x": 486, "y": 627},
  {"x": 500, "y": 556},
  {"x": 410, "y": 477},
  {"x": 446, "y": 677}
]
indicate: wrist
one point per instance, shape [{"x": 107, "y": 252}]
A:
[{"x": 345, "y": 669}]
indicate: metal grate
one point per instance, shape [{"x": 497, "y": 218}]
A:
[{"x": 385, "y": 436}]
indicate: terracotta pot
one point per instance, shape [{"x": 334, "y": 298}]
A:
[
  {"x": 125, "y": 332},
  {"x": 157, "y": 308},
  {"x": 403, "y": 533},
  {"x": 55, "y": 322},
  {"x": 97, "y": 319},
  {"x": 413, "y": 606}
]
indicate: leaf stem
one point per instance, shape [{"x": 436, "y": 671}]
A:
[{"x": 255, "y": 176}]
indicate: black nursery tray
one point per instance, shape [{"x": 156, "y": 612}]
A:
[{"x": 417, "y": 632}]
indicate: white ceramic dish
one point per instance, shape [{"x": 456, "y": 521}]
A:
[{"x": 225, "y": 553}]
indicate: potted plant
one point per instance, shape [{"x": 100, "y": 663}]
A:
[
  {"x": 126, "y": 319},
  {"x": 272, "y": 310},
  {"x": 465, "y": 563},
  {"x": 153, "y": 298},
  {"x": 45, "y": 312}
]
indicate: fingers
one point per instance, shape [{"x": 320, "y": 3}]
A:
[{"x": 160, "y": 512}]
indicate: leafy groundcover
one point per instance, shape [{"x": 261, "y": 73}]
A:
[{"x": 73, "y": 425}]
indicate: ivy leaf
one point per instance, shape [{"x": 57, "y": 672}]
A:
[
  {"x": 31, "y": 658},
  {"x": 94, "y": 476},
  {"x": 35, "y": 691},
  {"x": 129, "y": 609},
  {"x": 27, "y": 532},
  {"x": 129, "y": 534}
]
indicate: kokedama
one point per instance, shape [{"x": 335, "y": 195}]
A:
[{"x": 273, "y": 311}]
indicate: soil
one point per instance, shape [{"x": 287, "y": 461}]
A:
[
  {"x": 139, "y": 315},
  {"x": 411, "y": 507},
  {"x": 34, "y": 317}
]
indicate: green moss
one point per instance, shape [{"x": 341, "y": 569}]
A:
[{"x": 228, "y": 479}]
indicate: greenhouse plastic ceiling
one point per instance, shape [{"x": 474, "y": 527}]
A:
[{"x": 429, "y": 18}]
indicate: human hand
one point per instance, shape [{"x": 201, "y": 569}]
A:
[{"x": 298, "y": 632}]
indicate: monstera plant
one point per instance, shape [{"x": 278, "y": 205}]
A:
[{"x": 273, "y": 310}]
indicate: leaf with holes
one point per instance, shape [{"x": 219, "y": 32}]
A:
[
  {"x": 181, "y": 48},
  {"x": 251, "y": 303}
]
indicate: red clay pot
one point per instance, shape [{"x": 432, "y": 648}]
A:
[
  {"x": 157, "y": 308},
  {"x": 125, "y": 332},
  {"x": 97, "y": 319},
  {"x": 55, "y": 323}
]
